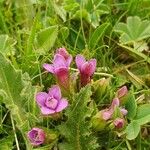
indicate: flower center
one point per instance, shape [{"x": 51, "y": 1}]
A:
[
  {"x": 51, "y": 102},
  {"x": 36, "y": 137}
]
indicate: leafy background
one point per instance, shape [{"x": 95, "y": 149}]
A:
[{"x": 116, "y": 33}]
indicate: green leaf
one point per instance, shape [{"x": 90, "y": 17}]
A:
[
  {"x": 46, "y": 38},
  {"x": 134, "y": 30},
  {"x": 60, "y": 11},
  {"x": 7, "y": 45},
  {"x": 97, "y": 35},
  {"x": 142, "y": 117},
  {"x": 131, "y": 106},
  {"x": 63, "y": 33},
  {"x": 132, "y": 130},
  {"x": 143, "y": 111},
  {"x": 77, "y": 129},
  {"x": 11, "y": 86}
]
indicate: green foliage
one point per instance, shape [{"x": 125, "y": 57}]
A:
[
  {"x": 11, "y": 86},
  {"x": 7, "y": 143},
  {"x": 142, "y": 117},
  {"x": 97, "y": 35},
  {"x": 134, "y": 30},
  {"x": 7, "y": 45},
  {"x": 132, "y": 130},
  {"x": 131, "y": 106},
  {"x": 46, "y": 39},
  {"x": 77, "y": 128}
]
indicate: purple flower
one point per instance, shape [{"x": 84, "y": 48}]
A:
[
  {"x": 60, "y": 67},
  {"x": 122, "y": 92},
  {"x": 36, "y": 136},
  {"x": 119, "y": 123},
  {"x": 51, "y": 102},
  {"x": 86, "y": 68}
]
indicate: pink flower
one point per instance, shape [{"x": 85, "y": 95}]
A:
[
  {"x": 122, "y": 92},
  {"x": 119, "y": 123},
  {"x": 60, "y": 67},
  {"x": 36, "y": 136},
  {"x": 107, "y": 113},
  {"x": 86, "y": 68},
  {"x": 51, "y": 102}
]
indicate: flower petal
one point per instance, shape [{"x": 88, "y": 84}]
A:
[
  {"x": 55, "y": 92},
  {"x": 69, "y": 60},
  {"x": 47, "y": 111},
  {"x": 41, "y": 97},
  {"x": 63, "y": 103},
  {"x": 115, "y": 102},
  {"x": 93, "y": 62},
  {"x": 119, "y": 122},
  {"x": 106, "y": 115},
  {"x": 48, "y": 67},
  {"x": 65, "y": 54},
  {"x": 87, "y": 68},
  {"x": 80, "y": 60},
  {"x": 62, "y": 77},
  {"x": 122, "y": 91},
  {"x": 124, "y": 111},
  {"x": 59, "y": 61}
]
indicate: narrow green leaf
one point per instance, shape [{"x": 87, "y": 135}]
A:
[{"x": 97, "y": 35}]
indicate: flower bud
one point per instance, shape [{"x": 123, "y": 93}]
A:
[
  {"x": 100, "y": 87},
  {"x": 36, "y": 136},
  {"x": 122, "y": 92},
  {"x": 98, "y": 123},
  {"x": 119, "y": 123}
]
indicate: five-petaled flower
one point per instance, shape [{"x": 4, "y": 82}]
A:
[
  {"x": 36, "y": 136},
  {"x": 60, "y": 67},
  {"x": 86, "y": 68},
  {"x": 51, "y": 102}
]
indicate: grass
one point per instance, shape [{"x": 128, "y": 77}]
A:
[{"x": 35, "y": 29}]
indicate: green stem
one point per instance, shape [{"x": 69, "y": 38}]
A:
[{"x": 139, "y": 141}]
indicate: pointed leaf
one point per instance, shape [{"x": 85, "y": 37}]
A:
[
  {"x": 77, "y": 130},
  {"x": 46, "y": 38}
]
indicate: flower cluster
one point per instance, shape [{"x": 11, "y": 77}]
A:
[
  {"x": 52, "y": 102},
  {"x": 114, "y": 114}
]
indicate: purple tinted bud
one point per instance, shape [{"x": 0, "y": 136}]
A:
[
  {"x": 36, "y": 136},
  {"x": 115, "y": 102},
  {"x": 60, "y": 67},
  {"x": 51, "y": 102},
  {"x": 86, "y": 68},
  {"x": 119, "y": 123},
  {"x": 122, "y": 91},
  {"x": 123, "y": 111}
]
